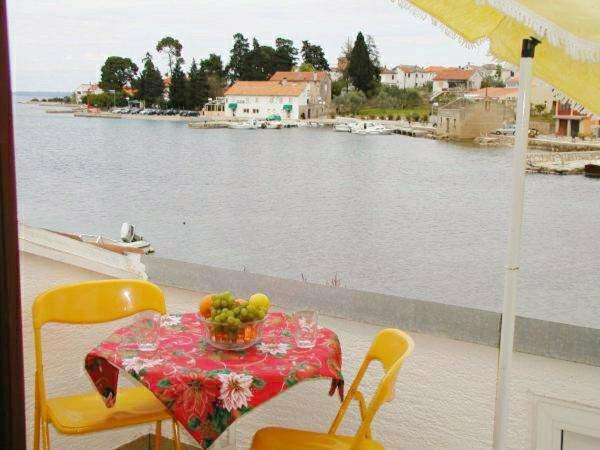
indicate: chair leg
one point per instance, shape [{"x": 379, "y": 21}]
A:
[
  {"x": 36, "y": 423},
  {"x": 157, "y": 435},
  {"x": 176, "y": 437},
  {"x": 45, "y": 435}
]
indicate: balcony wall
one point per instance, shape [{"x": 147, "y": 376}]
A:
[{"x": 445, "y": 393}]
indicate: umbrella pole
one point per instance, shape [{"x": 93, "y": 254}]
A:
[{"x": 514, "y": 243}]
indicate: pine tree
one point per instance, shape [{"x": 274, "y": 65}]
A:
[
  {"x": 149, "y": 85},
  {"x": 178, "y": 88},
  {"x": 286, "y": 54},
  {"x": 362, "y": 72},
  {"x": 314, "y": 55},
  {"x": 172, "y": 48},
  {"x": 213, "y": 68},
  {"x": 237, "y": 57},
  {"x": 197, "y": 87}
]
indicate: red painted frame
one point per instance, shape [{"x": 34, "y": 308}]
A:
[{"x": 12, "y": 403}]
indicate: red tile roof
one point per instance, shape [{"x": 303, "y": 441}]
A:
[
  {"x": 495, "y": 92},
  {"x": 270, "y": 87},
  {"x": 298, "y": 76},
  {"x": 435, "y": 69},
  {"x": 455, "y": 74},
  {"x": 408, "y": 69}
]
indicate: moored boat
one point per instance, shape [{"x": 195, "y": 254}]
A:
[
  {"x": 345, "y": 127},
  {"x": 592, "y": 170},
  {"x": 251, "y": 124},
  {"x": 370, "y": 128}
]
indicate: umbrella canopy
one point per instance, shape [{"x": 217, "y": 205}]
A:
[
  {"x": 568, "y": 59},
  {"x": 569, "y": 30}
]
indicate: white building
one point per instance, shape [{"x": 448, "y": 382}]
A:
[
  {"x": 259, "y": 99},
  {"x": 319, "y": 83},
  {"x": 491, "y": 70},
  {"x": 86, "y": 89},
  {"x": 457, "y": 80},
  {"x": 405, "y": 77}
]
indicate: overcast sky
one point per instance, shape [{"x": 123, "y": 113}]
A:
[{"x": 58, "y": 44}]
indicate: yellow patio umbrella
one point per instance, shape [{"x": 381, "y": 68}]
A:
[{"x": 567, "y": 36}]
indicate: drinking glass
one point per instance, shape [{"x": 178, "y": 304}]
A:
[
  {"x": 305, "y": 328},
  {"x": 147, "y": 328}
]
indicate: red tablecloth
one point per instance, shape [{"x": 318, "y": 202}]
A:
[{"x": 207, "y": 389}]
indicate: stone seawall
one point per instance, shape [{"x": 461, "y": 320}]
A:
[{"x": 561, "y": 163}]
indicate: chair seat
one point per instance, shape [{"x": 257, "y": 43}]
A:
[
  {"x": 273, "y": 438},
  {"x": 87, "y": 412}
]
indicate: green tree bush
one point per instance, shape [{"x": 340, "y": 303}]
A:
[
  {"x": 172, "y": 48},
  {"x": 314, "y": 55},
  {"x": 362, "y": 72},
  {"x": 350, "y": 102},
  {"x": 178, "y": 87},
  {"x": 149, "y": 85},
  {"x": 197, "y": 88},
  {"x": 116, "y": 73}
]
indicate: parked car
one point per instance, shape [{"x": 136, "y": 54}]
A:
[
  {"x": 134, "y": 111},
  {"x": 508, "y": 129}
]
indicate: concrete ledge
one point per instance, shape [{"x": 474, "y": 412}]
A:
[{"x": 537, "y": 337}]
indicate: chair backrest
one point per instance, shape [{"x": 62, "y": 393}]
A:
[
  {"x": 88, "y": 303},
  {"x": 96, "y": 302},
  {"x": 390, "y": 347}
]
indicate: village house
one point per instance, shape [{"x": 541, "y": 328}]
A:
[
  {"x": 468, "y": 118},
  {"x": 260, "y": 99},
  {"x": 456, "y": 80},
  {"x": 86, "y": 89},
  {"x": 573, "y": 123},
  {"x": 319, "y": 85},
  {"x": 505, "y": 95},
  {"x": 405, "y": 77},
  {"x": 491, "y": 70},
  {"x": 541, "y": 92}
]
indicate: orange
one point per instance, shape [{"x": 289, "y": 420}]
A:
[{"x": 205, "y": 305}]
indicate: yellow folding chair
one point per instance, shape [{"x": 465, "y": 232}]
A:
[
  {"x": 91, "y": 303},
  {"x": 390, "y": 347}
]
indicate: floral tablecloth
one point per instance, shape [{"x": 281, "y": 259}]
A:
[{"x": 207, "y": 389}]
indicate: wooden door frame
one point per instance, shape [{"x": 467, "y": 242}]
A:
[{"x": 12, "y": 403}]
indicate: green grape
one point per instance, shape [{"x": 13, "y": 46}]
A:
[
  {"x": 216, "y": 303},
  {"x": 261, "y": 314},
  {"x": 231, "y": 320}
]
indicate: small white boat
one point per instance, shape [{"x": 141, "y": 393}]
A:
[
  {"x": 273, "y": 125},
  {"x": 129, "y": 243},
  {"x": 251, "y": 124},
  {"x": 345, "y": 127},
  {"x": 370, "y": 128}
]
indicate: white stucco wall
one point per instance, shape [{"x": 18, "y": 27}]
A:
[
  {"x": 445, "y": 393},
  {"x": 265, "y": 105}
]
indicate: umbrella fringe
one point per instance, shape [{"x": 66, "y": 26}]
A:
[
  {"x": 564, "y": 98},
  {"x": 575, "y": 46},
  {"x": 419, "y": 13}
]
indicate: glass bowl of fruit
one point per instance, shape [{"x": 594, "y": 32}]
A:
[{"x": 232, "y": 324}]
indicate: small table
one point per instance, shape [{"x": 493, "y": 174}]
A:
[{"x": 207, "y": 389}]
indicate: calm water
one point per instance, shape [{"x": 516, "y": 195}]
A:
[{"x": 391, "y": 214}]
